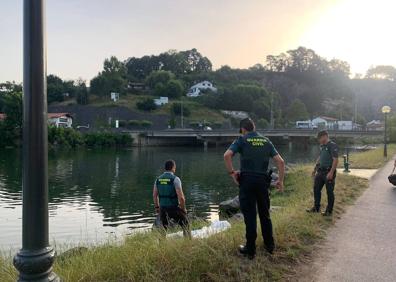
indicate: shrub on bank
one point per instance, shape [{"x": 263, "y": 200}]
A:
[
  {"x": 140, "y": 123},
  {"x": 68, "y": 137}
]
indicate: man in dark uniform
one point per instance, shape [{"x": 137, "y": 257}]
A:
[
  {"x": 169, "y": 198},
  {"x": 325, "y": 173},
  {"x": 254, "y": 183}
]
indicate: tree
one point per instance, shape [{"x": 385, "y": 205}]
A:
[
  {"x": 179, "y": 63},
  {"x": 160, "y": 76},
  {"x": 11, "y": 128},
  {"x": 55, "y": 89},
  {"x": 297, "y": 111},
  {"x": 174, "y": 89},
  {"x": 382, "y": 72},
  {"x": 113, "y": 78},
  {"x": 81, "y": 92}
]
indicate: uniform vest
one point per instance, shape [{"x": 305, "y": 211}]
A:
[
  {"x": 167, "y": 190},
  {"x": 255, "y": 154},
  {"x": 325, "y": 159}
]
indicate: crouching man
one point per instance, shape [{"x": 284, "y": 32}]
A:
[{"x": 169, "y": 198}]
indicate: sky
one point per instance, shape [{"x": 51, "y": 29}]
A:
[{"x": 238, "y": 33}]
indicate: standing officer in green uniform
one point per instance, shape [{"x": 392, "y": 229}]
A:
[
  {"x": 254, "y": 183},
  {"x": 325, "y": 173},
  {"x": 169, "y": 198}
]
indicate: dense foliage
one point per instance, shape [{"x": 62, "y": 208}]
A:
[
  {"x": 67, "y": 137},
  {"x": 298, "y": 84}
]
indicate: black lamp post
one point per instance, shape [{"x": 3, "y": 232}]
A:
[
  {"x": 385, "y": 110},
  {"x": 34, "y": 261}
]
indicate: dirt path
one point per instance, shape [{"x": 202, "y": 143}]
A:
[{"x": 362, "y": 245}]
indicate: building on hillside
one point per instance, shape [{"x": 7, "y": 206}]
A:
[
  {"x": 137, "y": 86},
  {"x": 345, "y": 125},
  {"x": 323, "y": 122},
  {"x": 2, "y": 116},
  {"x": 304, "y": 124},
  {"x": 197, "y": 89},
  {"x": 161, "y": 101},
  {"x": 236, "y": 114},
  {"x": 375, "y": 125},
  {"x": 60, "y": 120},
  {"x": 114, "y": 96}
]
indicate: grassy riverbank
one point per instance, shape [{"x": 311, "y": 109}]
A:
[
  {"x": 371, "y": 159},
  {"x": 146, "y": 257}
]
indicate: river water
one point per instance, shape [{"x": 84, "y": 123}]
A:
[{"x": 96, "y": 195}]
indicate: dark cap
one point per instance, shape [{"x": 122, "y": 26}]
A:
[
  {"x": 323, "y": 133},
  {"x": 246, "y": 123}
]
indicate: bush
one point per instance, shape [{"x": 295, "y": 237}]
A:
[
  {"x": 146, "y": 123},
  {"x": 147, "y": 105},
  {"x": 68, "y": 137},
  {"x": 133, "y": 122},
  {"x": 107, "y": 139},
  {"x": 177, "y": 109}
]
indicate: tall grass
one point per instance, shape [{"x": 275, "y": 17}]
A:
[
  {"x": 372, "y": 158},
  {"x": 149, "y": 257}
]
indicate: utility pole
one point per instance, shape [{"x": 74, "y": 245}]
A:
[
  {"x": 181, "y": 110},
  {"x": 34, "y": 261},
  {"x": 272, "y": 111}
]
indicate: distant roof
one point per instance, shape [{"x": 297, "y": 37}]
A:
[
  {"x": 2, "y": 116},
  {"x": 327, "y": 118},
  {"x": 58, "y": 115}
]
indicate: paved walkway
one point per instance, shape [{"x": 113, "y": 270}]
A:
[{"x": 362, "y": 245}]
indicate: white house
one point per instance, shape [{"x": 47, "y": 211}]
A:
[
  {"x": 236, "y": 114},
  {"x": 324, "y": 122},
  {"x": 304, "y": 124},
  {"x": 196, "y": 89},
  {"x": 60, "y": 120},
  {"x": 375, "y": 125},
  {"x": 345, "y": 125},
  {"x": 161, "y": 101},
  {"x": 115, "y": 96}
]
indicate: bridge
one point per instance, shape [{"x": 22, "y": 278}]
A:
[{"x": 208, "y": 137}]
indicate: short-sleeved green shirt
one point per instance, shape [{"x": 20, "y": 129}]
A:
[
  {"x": 255, "y": 151},
  {"x": 327, "y": 153}
]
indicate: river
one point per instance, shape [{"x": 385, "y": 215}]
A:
[{"x": 96, "y": 195}]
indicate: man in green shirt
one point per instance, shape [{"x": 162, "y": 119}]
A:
[
  {"x": 169, "y": 198},
  {"x": 254, "y": 181},
  {"x": 325, "y": 173}
]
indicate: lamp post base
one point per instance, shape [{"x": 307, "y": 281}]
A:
[{"x": 36, "y": 265}]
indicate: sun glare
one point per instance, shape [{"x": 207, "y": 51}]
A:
[{"x": 358, "y": 31}]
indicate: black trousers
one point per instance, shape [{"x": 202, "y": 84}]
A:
[
  {"x": 320, "y": 181},
  {"x": 253, "y": 196},
  {"x": 178, "y": 215}
]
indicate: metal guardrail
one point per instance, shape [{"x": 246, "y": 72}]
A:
[{"x": 234, "y": 133}]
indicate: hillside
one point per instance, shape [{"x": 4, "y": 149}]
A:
[{"x": 100, "y": 111}]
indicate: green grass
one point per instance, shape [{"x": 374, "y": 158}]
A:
[
  {"x": 372, "y": 158},
  {"x": 148, "y": 257}
]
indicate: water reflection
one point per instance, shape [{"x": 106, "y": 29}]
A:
[{"x": 94, "y": 194}]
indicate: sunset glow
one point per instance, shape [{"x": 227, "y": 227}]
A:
[{"x": 360, "y": 32}]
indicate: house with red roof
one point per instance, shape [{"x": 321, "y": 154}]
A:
[{"x": 60, "y": 120}]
